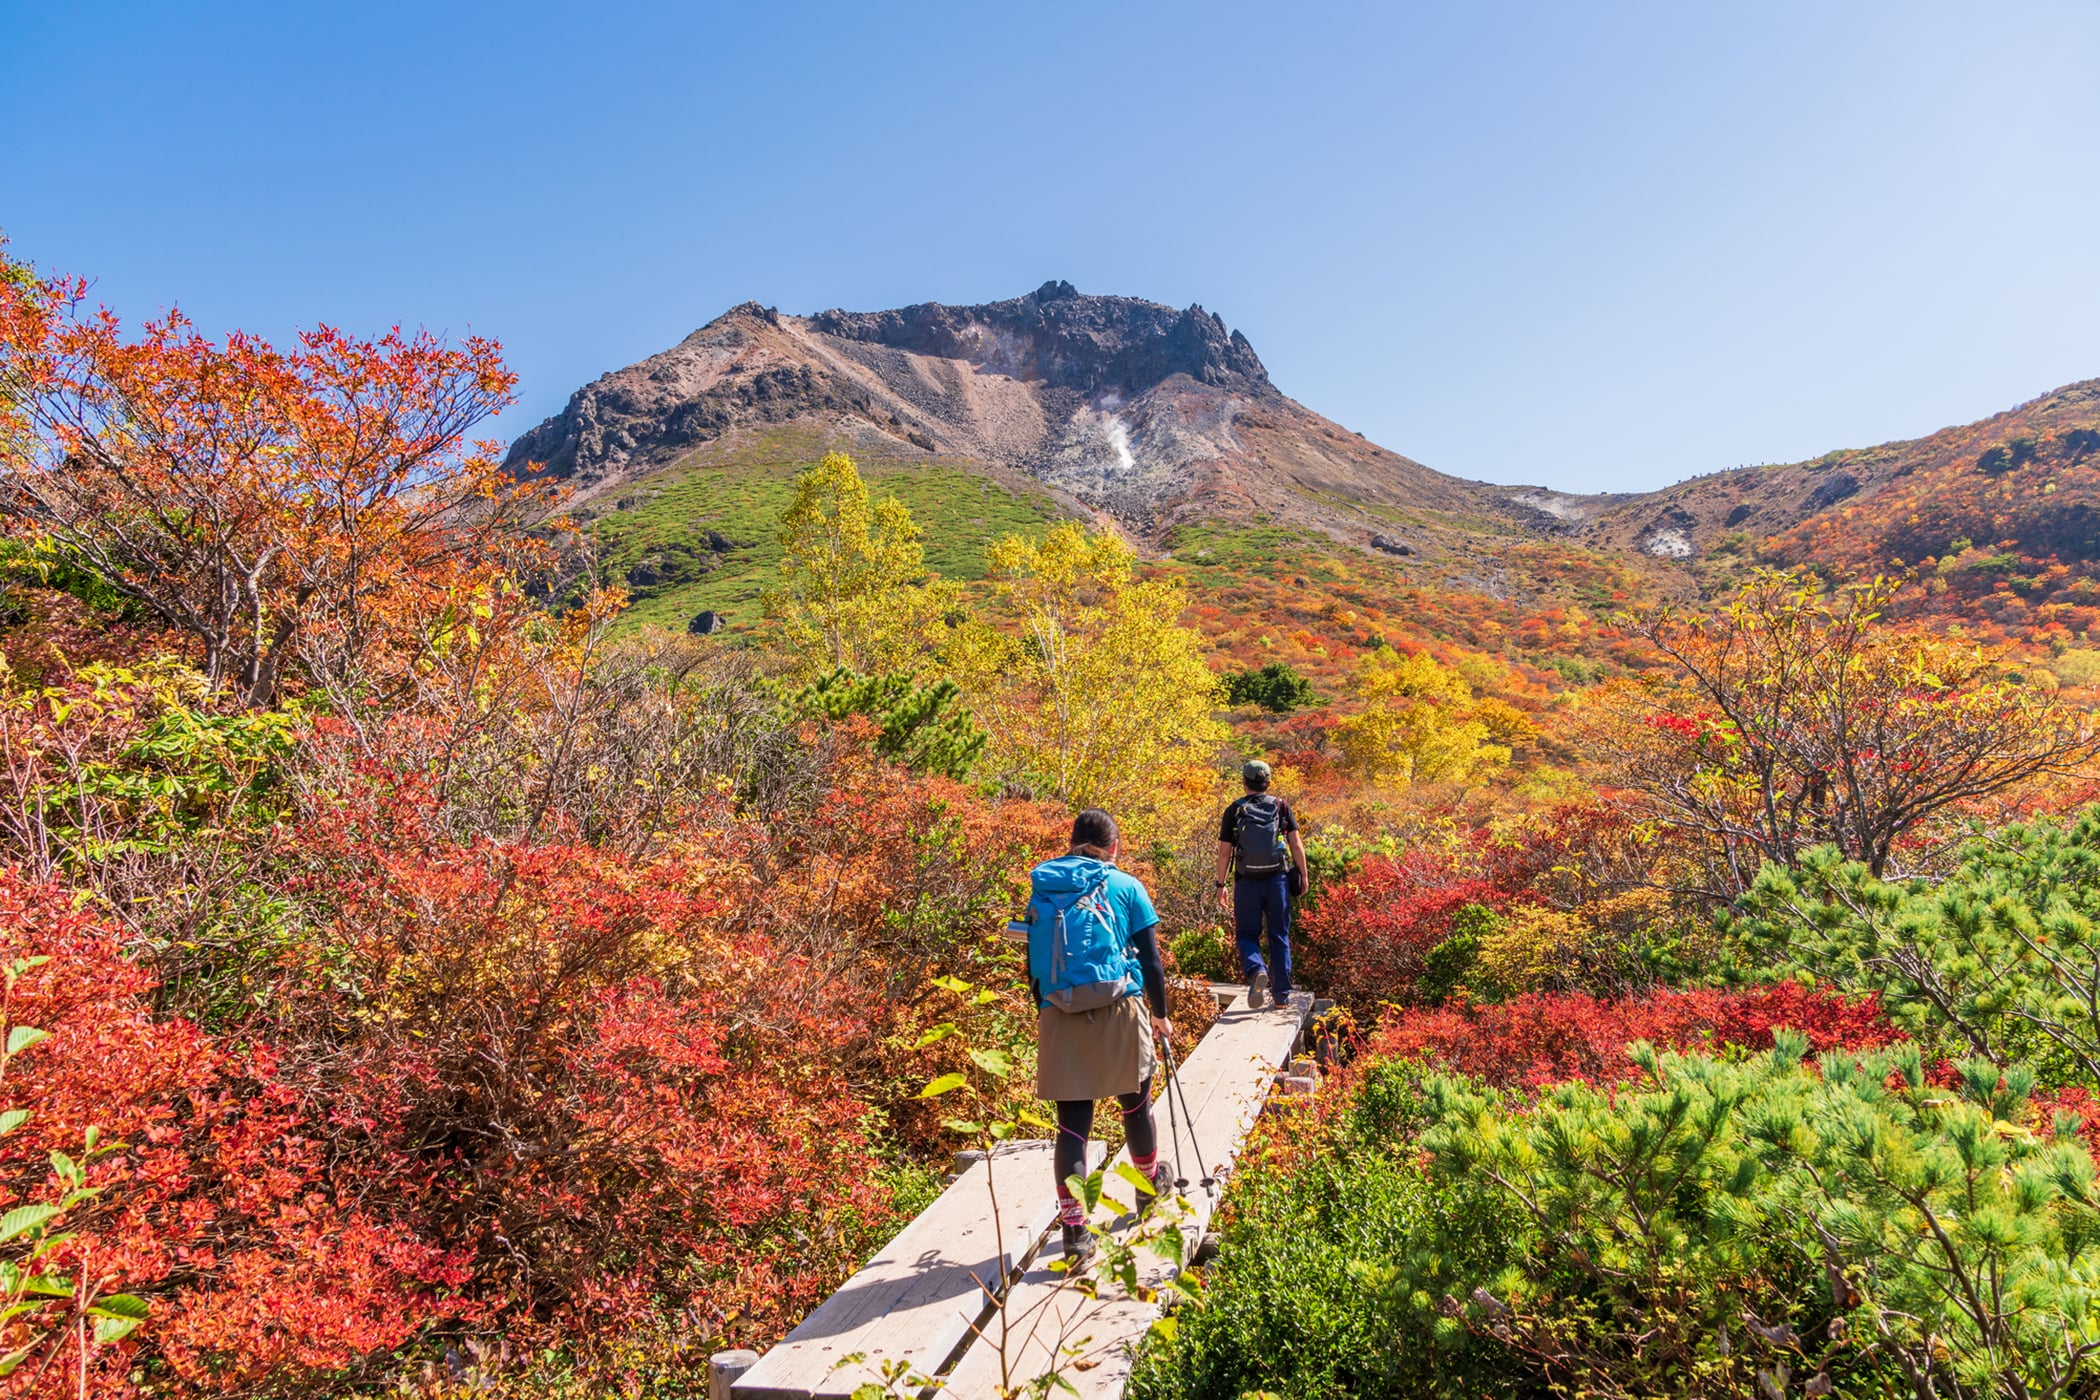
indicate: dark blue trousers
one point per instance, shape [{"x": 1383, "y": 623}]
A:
[{"x": 1256, "y": 903}]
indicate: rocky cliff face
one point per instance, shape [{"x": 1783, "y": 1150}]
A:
[
  {"x": 1062, "y": 339},
  {"x": 1146, "y": 413}
]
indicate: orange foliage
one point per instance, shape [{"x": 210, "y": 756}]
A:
[{"x": 313, "y": 512}]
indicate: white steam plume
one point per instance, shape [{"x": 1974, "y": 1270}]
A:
[{"x": 1119, "y": 439}]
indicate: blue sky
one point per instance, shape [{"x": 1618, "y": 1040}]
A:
[{"x": 1597, "y": 246}]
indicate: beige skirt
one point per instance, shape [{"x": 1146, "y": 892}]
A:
[{"x": 1093, "y": 1054}]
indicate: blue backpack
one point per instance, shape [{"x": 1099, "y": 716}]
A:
[{"x": 1078, "y": 950}]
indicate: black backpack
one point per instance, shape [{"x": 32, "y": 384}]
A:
[{"x": 1260, "y": 847}]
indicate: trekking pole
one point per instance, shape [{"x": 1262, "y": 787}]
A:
[{"x": 1174, "y": 1087}]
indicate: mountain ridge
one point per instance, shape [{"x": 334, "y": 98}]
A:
[{"x": 1153, "y": 418}]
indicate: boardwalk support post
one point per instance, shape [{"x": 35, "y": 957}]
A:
[{"x": 723, "y": 1368}]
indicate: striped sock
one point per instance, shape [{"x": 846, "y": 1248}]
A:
[{"x": 1069, "y": 1211}]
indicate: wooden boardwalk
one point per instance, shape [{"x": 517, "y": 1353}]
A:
[
  {"x": 927, "y": 1292},
  {"x": 926, "y": 1299},
  {"x": 1225, "y": 1081}
]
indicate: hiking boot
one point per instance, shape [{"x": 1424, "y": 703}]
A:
[
  {"x": 1162, "y": 1178},
  {"x": 1257, "y": 991},
  {"x": 1079, "y": 1247}
]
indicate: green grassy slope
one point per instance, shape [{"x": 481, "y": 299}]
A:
[{"x": 740, "y": 492}]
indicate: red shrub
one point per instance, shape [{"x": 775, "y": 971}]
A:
[
  {"x": 2078, "y": 1102},
  {"x": 580, "y": 1068},
  {"x": 1544, "y": 1038},
  {"x": 218, "y": 1206},
  {"x": 1364, "y": 941},
  {"x": 541, "y": 1088}
]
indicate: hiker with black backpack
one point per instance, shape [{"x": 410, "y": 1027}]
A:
[
  {"x": 1094, "y": 969},
  {"x": 1263, "y": 861}
]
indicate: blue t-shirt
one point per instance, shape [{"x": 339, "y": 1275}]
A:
[{"x": 1134, "y": 911}]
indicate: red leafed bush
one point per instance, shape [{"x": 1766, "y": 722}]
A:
[
  {"x": 1546, "y": 1038},
  {"x": 579, "y": 1067},
  {"x": 1365, "y": 940},
  {"x": 2078, "y": 1102},
  {"x": 218, "y": 1205},
  {"x": 535, "y": 1087}
]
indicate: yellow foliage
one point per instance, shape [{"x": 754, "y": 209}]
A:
[
  {"x": 1483, "y": 672},
  {"x": 1631, "y": 910},
  {"x": 1384, "y": 674},
  {"x": 1093, "y": 692},
  {"x": 1420, "y": 724},
  {"x": 2079, "y": 666},
  {"x": 1507, "y": 723},
  {"x": 855, "y": 590},
  {"x": 1533, "y": 947}
]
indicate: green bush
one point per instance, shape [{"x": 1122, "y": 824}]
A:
[
  {"x": 1203, "y": 951},
  {"x": 1450, "y": 964},
  {"x": 1276, "y": 687},
  {"x": 1996, "y": 564},
  {"x": 1720, "y": 1227},
  {"x": 923, "y": 726},
  {"x": 1329, "y": 1278}
]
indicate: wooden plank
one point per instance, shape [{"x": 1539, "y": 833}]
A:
[
  {"x": 1225, "y": 1080},
  {"x": 924, "y": 1292}
]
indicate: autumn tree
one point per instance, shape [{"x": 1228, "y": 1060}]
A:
[
  {"x": 1805, "y": 718},
  {"x": 854, "y": 588},
  {"x": 317, "y": 509},
  {"x": 1420, "y": 723},
  {"x": 1092, "y": 690}
]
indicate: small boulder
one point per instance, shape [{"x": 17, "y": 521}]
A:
[
  {"x": 1389, "y": 545},
  {"x": 706, "y": 623}
]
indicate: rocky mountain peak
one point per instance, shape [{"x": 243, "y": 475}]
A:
[
  {"x": 1118, "y": 405},
  {"x": 1066, "y": 339}
]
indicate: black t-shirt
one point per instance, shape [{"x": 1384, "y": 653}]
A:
[{"x": 1229, "y": 828}]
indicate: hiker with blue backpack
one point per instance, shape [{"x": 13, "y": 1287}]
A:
[
  {"x": 1263, "y": 860},
  {"x": 1094, "y": 968}
]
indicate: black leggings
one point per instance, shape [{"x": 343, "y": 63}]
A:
[{"x": 1075, "y": 1124}]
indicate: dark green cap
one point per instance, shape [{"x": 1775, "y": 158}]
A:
[{"x": 1254, "y": 771}]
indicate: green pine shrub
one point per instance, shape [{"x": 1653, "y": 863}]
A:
[
  {"x": 2000, "y": 959},
  {"x": 1722, "y": 1229},
  {"x": 1276, "y": 687},
  {"x": 923, "y": 725},
  {"x": 1742, "y": 1224}
]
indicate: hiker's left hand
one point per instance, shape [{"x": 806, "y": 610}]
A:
[{"x": 1163, "y": 1028}]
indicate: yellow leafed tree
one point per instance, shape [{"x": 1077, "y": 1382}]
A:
[
  {"x": 1420, "y": 723},
  {"x": 1093, "y": 692},
  {"x": 854, "y": 589}
]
